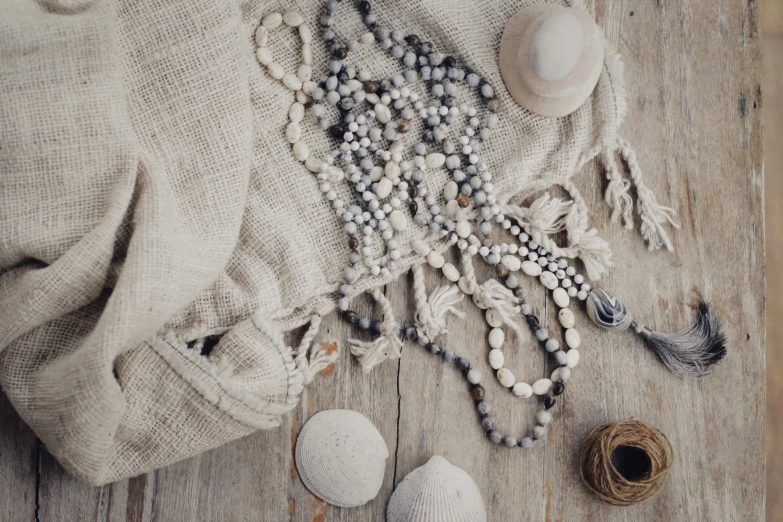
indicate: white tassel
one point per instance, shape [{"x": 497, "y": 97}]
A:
[
  {"x": 653, "y": 215},
  {"x": 494, "y": 295},
  {"x": 544, "y": 217},
  {"x": 387, "y": 346},
  {"x": 431, "y": 313},
  {"x": 595, "y": 254}
]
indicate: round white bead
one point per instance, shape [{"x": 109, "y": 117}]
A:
[
  {"x": 542, "y": 386},
  {"x": 366, "y": 38},
  {"x": 566, "y": 318},
  {"x": 532, "y": 268},
  {"x": 560, "y": 296},
  {"x": 496, "y": 338},
  {"x": 543, "y": 417},
  {"x": 474, "y": 376},
  {"x": 572, "y": 338},
  {"x": 436, "y": 259},
  {"x": 506, "y": 378},
  {"x": 572, "y": 358},
  {"x": 451, "y": 272},
  {"x": 522, "y": 390},
  {"x": 496, "y": 359}
]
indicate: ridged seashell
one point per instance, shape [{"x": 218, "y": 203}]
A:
[
  {"x": 341, "y": 457},
  {"x": 607, "y": 312},
  {"x": 437, "y": 492},
  {"x": 551, "y": 58}
]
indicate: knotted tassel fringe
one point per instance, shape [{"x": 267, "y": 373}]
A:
[
  {"x": 491, "y": 294},
  {"x": 431, "y": 313},
  {"x": 690, "y": 352},
  {"x": 319, "y": 359},
  {"x": 617, "y": 191},
  {"x": 387, "y": 346}
]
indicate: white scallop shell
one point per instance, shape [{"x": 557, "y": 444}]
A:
[
  {"x": 437, "y": 492},
  {"x": 341, "y": 457}
]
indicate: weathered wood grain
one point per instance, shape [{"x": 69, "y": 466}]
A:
[{"x": 693, "y": 75}]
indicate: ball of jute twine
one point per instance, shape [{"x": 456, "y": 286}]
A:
[{"x": 651, "y": 458}]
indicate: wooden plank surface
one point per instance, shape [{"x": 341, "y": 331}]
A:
[{"x": 693, "y": 75}]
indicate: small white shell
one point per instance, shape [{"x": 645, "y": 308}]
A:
[
  {"x": 513, "y": 263},
  {"x": 436, "y": 259},
  {"x": 451, "y": 272},
  {"x": 549, "y": 280},
  {"x": 496, "y": 359},
  {"x": 573, "y": 357},
  {"x": 506, "y": 378},
  {"x": 522, "y": 390},
  {"x": 572, "y": 338},
  {"x": 493, "y": 318},
  {"x": 496, "y": 338},
  {"x": 542, "y": 386},
  {"x": 566, "y": 318},
  {"x": 532, "y": 268},
  {"x": 436, "y": 492},
  {"x": 560, "y": 297},
  {"x": 341, "y": 457}
]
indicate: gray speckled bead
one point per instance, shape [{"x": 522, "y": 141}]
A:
[
  {"x": 526, "y": 442},
  {"x": 542, "y": 334},
  {"x": 496, "y": 437},
  {"x": 512, "y": 281},
  {"x": 449, "y": 357},
  {"x": 510, "y": 441},
  {"x": 364, "y": 324},
  {"x": 423, "y": 340},
  {"x": 434, "y": 349},
  {"x": 552, "y": 345},
  {"x": 410, "y": 333},
  {"x": 539, "y": 432},
  {"x": 464, "y": 364},
  {"x": 485, "y": 227},
  {"x": 484, "y": 408},
  {"x": 487, "y": 423}
]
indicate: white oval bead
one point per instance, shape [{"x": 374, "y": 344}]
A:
[
  {"x": 452, "y": 207},
  {"x": 275, "y": 70},
  {"x": 548, "y": 279},
  {"x": 304, "y": 73},
  {"x": 305, "y": 34},
  {"x": 354, "y": 85},
  {"x": 436, "y": 259},
  {"x": 384, "y": 188},
  {"x": 382, "y": 113},
  {"x": 496, "y": 359},
  {"x": 532, "y": 268},
  {"x": 397, "y": 146},
  {"x": 262, "y": 36},
  {"x": 367, "y": 38},
  {"x": 272, "y": 20},
  {"x": 296, "y": 112},
  {"x": 493, "y": 318},
  {"x": 513, "y": 263},
  {"x": 372, "y": 98},
  {"x": 506, "y": 378},
  {"x": 462, "y": 228},
  {"x": 542, "y": 386},
  {"x": 336, "y": 174},
  {"x": 376, "y": 173},
  {"x": 392, "y": 169},
  {"x": 293, "y": 132},
  {"x": 451, "y": 272},
  {"x": 572, "y": 338},
  {"x": 450, "y": 191},
  {"x": 496, "y": 338},
  {"x": 561, "y": 374},
  {"x": 421, "y": 248},
  {"x": 313, "y": 164},
  {"x": 301, "y": 97},
  {"x": 522, "y": 390},
  {"x": 464, "y": 286},
  {"x": 560, "y": 296},
  {"x": 435, "y": 160},
  {"x": 307, "y": 54},
  {"x": 292, "y": 19},
  {"x": 566, "y": 318},
  {"x": 301, "y": 152},
  {"x": 398, "y": 220},
  {"x": 264, "y": 56},
  {"x": 573, "y": 358},
  {"x": 292, "y": 82}
]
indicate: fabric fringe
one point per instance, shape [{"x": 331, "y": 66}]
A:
[
  {"x": 431, "y": 313},
  {"x": 387, "y": 346}
]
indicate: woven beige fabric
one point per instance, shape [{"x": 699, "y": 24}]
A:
[{"x": 149, "y": 203}]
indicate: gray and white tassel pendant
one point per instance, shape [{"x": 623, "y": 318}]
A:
[{"x": 688, "y": 353}]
